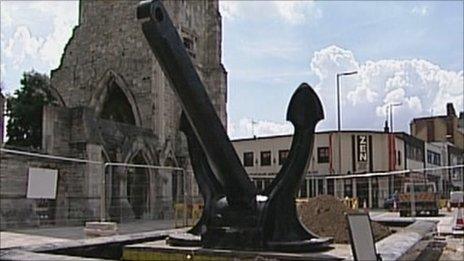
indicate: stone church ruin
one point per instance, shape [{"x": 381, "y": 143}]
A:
[{"x": 116, "y": 106}]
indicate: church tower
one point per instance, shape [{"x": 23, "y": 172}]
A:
[
  {"x": 108, "y": 44},
  {"x": 116, "y": 103}
]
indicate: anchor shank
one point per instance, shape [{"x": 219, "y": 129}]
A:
[{"x": 178, "y": 68}]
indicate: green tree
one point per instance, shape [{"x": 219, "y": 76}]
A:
[{"x": 24, "y": 109}]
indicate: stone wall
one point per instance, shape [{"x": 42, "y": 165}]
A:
[
  {"x": 78, "y": 192},
  {"x": 87, "y": 137},
  {"x": 108, "y": 43},
  {"x": 16, "y": 210},
  {"x": 108, "y": 51}
]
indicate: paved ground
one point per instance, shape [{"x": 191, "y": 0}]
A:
[
  {"x": 78, "y": 232},
  {"x": 454, "y": 249},
  {"x": 445, "y": 219},
  {"x": 9, "y": 239},
  {"x": 25, "y": 237}
]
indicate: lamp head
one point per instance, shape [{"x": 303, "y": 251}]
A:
[{"x": 347, "y": 73}]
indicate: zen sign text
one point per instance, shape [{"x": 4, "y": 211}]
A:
[{"x": 362, "y": 148}]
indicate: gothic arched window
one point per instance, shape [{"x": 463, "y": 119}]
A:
[{"x": 116, "y": 106}]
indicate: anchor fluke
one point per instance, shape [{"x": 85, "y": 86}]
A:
[{"x": 305, "y": 108}]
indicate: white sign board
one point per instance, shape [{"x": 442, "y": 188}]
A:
[
  {"x": 42, "y": 183},
  {"x": 362, "y": 239}
]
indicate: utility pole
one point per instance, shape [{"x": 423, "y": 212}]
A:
[
  {"x": 339, "y": 127},
  {"x": 392, "y": 105}
]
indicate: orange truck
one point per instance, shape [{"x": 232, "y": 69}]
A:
[{"x": 420, "y": 198}]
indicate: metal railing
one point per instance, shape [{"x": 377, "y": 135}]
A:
[{"x": 161, "y": 188}]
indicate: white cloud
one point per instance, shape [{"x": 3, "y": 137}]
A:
[
  {"x": 418, "y": 84},
  {"x": 332, "y": 59},
  {"x": 420, "y": 10},
  {"x": 21, "y": 45},
  {"x": 64, "y": 19},
  {"x": 361, "y": 95},
  {"x": 229, "y": 9},
  {"x": 291, "y": 12},
  {"x": 325, "y": 64},
  {"x": 2, "y": 71},
  {"x": 247, "y": 127},
  {"x": 6, "y": 11},
  {"x": 296, "y": 12},
  {"x": 411, "y": 105},
  {"x": 25, "y": 44},
  {"x": 395, "y": 96}
]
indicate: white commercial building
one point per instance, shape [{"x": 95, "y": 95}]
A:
[{"x": 360, "y": 152}]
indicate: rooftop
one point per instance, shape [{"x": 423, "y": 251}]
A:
[{"x": 317, "y": 132}]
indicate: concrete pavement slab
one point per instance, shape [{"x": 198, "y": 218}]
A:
[
  {"x": 11, "y": 240},
  {"x": 19, "y": 255},
  {"x": 396, "y": 245},
  {"x": 77, "y": 232}
]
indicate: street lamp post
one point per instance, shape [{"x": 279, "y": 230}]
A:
[
  {"x": 392, "y": 105},
  {"x": 339, "y": 127}
]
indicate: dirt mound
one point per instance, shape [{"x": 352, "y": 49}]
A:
[{"x": 324, "y": 215}]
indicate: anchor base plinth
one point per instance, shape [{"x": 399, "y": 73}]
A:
[
  {"x": 159, "y": 250},
  {"x": 183, "y": 240},
  {"x": 312, "y": 245}
]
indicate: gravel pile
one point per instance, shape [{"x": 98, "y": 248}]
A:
[{"x": 324, "y": 215}]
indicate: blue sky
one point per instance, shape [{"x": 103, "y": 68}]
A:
[
  {"x": 408, "y": 52},
  {"x": 396, "y": 47}
]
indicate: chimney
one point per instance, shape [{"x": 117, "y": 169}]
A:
[
  {"x": 450, "y": 110},
  {"x": 386, "y": 129}
]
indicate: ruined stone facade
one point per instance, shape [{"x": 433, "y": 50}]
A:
[
  {"x": 116, "y": 105},
  {"x": 108, "y": 46}
]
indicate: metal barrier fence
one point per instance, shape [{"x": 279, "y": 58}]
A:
[
  {"x": 411, "y": 192},
  {"x": 131, "y": 193},
  {"x": 39, "y": 190}
]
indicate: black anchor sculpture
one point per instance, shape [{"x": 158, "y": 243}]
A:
[{"x": 234, "y": 215}]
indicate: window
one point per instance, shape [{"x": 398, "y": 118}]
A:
[
  {"x": 399, "y": 158},
  {"x": 320, "y": 187},
  {"x": 283, "y": 154},
  {"x": 330, "y": 187},
  {"x": 265, "y": 158},
  {"x": 433, "y": 158},
  {"x": 348, "y": 188},
  {"x": 437, "y": 159},
  {"x": 323, "y": 154},
  {"x": 414, "y": 153},
  {"x": 248, "y": 159}
]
